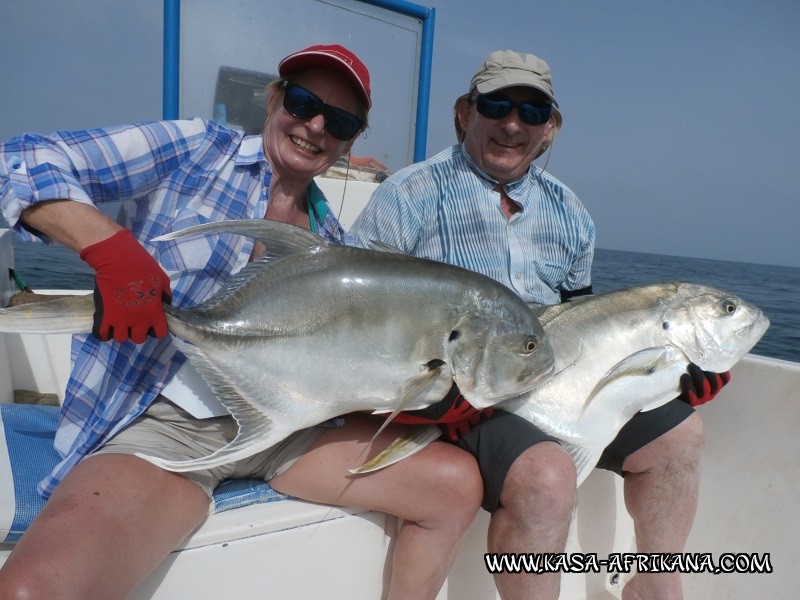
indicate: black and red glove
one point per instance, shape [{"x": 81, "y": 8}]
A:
[
  {"x": 699, "y": 387},
  {"x": 453, "y": 414},
  {"x": 129, "y": 289}
]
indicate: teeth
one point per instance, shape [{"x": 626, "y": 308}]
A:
[{"x": 305, "y": 145}]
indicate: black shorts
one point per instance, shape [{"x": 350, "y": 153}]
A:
[{"x": 497, "y": 442}]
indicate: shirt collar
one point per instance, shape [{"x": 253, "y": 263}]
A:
[{"x": 251, "y": 151}]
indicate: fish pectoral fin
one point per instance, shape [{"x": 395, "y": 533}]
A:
[
  {"x": 411, "y": 389},
  {"x": 415, "y": 386},
  {"x": 584, "y": 457},
  {"x": 639, "y": 364},
  {"x": 412, "y": 441}
]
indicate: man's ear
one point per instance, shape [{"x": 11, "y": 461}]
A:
[
  {"x": 461, "y": 116},
  {"x": 549, "y": 129}
]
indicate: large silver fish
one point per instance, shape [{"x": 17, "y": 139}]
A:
[
  {"x": 622, "y": 352},
  {"x": 313, "y": 330}
]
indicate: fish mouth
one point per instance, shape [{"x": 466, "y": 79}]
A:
[
  {"x": 757, "y": 327},
  {"x": 534, "y": 380}
]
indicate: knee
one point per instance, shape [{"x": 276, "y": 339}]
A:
[
  {"x": 541, "y": 482},
  {"x": 459, "y": 488},
  {"x": 18, "y": 586}
]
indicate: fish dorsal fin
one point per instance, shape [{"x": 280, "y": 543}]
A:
[
  {"x": 411, "y": 389},
  {"x": 235, "y": 282},
  {"x": 639, "y": 363},
  {"x": 379, "y": 246},
  {"x": 414, "y": 439},
  {"x": 256, "y": 430},
  {"x": 280, "y": 239}
]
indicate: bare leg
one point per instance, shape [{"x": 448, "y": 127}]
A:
[
  {"x": 536, "y": 507},
  {"x": 436, "y": 491},
  {"x": 661, "y": 486},
  {"x": 109, "y": 523}
]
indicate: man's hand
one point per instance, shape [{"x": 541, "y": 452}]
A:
[
  {"x": 130, "y": 287},
  {"x": 699, "y": 387}
]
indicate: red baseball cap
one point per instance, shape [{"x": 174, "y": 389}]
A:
[{"x": 334, "y": 57}]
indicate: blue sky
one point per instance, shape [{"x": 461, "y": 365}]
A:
[{"x": 681, "y": 119}]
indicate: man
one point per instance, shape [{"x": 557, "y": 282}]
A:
[{"x": 483, "y": 205}]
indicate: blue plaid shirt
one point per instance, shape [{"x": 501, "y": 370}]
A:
[
  {"x": 167, "y": 176},
  {"x": 447, "y": 209}
]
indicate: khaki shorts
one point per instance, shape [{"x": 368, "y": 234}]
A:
[{"x": 167, "y": 431}]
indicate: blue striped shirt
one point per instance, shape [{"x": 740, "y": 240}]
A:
[
  {"x": 167, "y": 176},
  {"x": 447, "y": 209}
]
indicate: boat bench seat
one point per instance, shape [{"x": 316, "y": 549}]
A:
[{"x": 27, "y": 456}]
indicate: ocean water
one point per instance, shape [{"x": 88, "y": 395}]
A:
[{"x": 776, "y": 290}]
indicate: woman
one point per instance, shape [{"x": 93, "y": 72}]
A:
[{"x": 113, "y": 517}]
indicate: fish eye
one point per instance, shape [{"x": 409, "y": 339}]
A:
[
  {"x": 728, "y": 307},
  {"x": 530, "y": 345}
]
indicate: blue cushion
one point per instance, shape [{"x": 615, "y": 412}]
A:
[{"x": 27, "y": 456}]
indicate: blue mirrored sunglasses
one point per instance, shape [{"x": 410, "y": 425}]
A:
[
  {"x": 497, "y": 107},
  {"x": 302, "y": 104}
]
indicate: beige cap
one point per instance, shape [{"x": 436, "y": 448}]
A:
[{"x": 507, "y": 68}]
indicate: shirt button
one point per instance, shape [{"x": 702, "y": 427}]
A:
[{"x": 517, "y": 275}]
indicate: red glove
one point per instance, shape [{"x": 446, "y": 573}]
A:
[
  {"x": 128, "y": 291},
  {"x": 454, "y": 414},
  {"x": 699, "y": 387}
]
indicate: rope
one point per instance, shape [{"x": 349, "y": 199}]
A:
[{"x": 21, "y": 284}]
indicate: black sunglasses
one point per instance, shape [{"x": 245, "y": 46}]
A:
[
  {"x": 530, "y": 113},
  {"x": 302, "y": 104}
]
